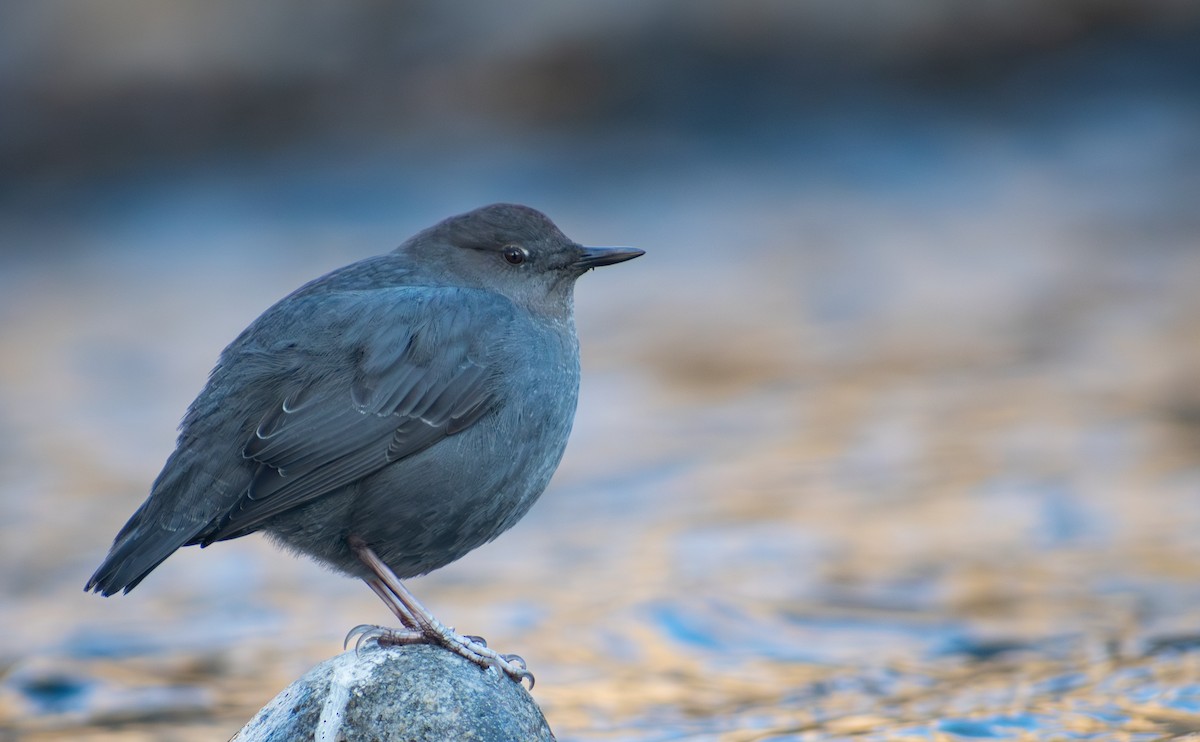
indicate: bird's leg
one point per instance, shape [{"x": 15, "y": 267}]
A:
[
  {"x": 424, "y": 627},
  {"x": 408, "y": 634},
  {"x": 407, "y": 619}
]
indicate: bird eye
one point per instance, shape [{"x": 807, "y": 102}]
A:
[{"x": 515, "y": 255}]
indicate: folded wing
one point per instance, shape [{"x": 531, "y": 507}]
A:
[{"x": 433, "y": 379}]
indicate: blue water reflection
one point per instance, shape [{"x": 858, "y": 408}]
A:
[{"x": 892, "y": 433}]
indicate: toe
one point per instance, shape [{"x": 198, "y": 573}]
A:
[
  {"x": 516, "y": 659},
  {"x": 360, "y": 631}
]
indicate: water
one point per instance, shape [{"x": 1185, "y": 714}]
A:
[{"x": 892, "y": 433}]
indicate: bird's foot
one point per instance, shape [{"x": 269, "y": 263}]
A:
[
  {"x": 474, "y": 648},
  {"x": 419, "y": 625},
  {"x": 382, "y": 635}
]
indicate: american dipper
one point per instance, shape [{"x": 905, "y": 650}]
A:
[{"x": 385, "y": 418}]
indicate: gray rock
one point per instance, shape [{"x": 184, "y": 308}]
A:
[{"x": 409, "y": 693}]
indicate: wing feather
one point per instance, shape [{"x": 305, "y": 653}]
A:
[{"x": 435, "y": 380}]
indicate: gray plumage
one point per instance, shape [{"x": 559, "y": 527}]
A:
[{"x": 418, "y": 401}]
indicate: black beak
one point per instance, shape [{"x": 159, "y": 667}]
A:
[{"x": 594, "y": 257}]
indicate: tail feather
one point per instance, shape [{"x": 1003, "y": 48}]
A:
[
  {"x": 153, "y": 533},
  {"x": 135, "y": 553}
]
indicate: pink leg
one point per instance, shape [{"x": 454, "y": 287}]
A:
[{"x": 419, "y": 625}]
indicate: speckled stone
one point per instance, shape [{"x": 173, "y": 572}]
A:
[{"x": 399, "y": 693}]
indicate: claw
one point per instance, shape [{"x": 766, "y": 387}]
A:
[
  {"x": 475, "y": 639},
  {"x": 507, "y": 664},
  {"x": 382, "y": 636},
  {"x": 524, "y": 675},
  {"x": 362, "y": 638},
  {"x": 516, "y": 659},
  {"x": 513, "y": 665},
  {"x": 360, "y": 631}
]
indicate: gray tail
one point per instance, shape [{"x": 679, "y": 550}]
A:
[
  {"x": 138, "y": 549},
  {"x": 150, "y": 536}
]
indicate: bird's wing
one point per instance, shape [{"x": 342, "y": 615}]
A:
[{"x": 420, "y": 372}]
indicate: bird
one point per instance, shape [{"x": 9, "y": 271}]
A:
[{"x": 386, "y": 418}]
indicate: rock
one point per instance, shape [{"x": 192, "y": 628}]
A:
[{"x": 415, "y": 692}]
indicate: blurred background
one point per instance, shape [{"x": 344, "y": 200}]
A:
[{"x": 894, "y": 433}]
